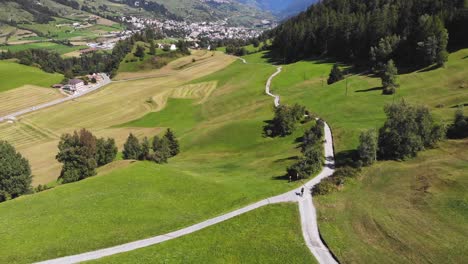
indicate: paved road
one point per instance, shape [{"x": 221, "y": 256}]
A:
[
  {"x": 307, "y": 210},
  {"x": 106, "y": 80}
]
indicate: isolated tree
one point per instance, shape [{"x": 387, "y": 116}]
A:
[
  {"x": 285, "y": 119},
  {"x": 161, "y": 149},
  {"x": 336, "y": 75},
  {"x": 173, "y": 142},
  {"x": 15, "y": 173},
  {"x": 140, "y": 51},
  {"x": 407, "y": 130},
  {"x": 106, "y": 151},
  {"x": 77, "y": 153},
  {"x": 389, "y": 78},
  {"x": 152, "y": 50},
  {"x": 459, "y": 128},
  {"x": 368, "y": 147},
  {"x": 132, "y": 148}
]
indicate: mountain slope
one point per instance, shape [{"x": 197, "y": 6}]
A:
[
  {"x": 280, "y": 8},
  {"x": 42, "y": 11}
]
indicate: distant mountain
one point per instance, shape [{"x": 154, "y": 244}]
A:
[
  {"x": 42, "y": 11},
  {"x": 280, "y": 8}
]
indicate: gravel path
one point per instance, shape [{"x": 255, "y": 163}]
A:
[
  {"x": 106, "y": 80},
  {"x": 307, "y": 210}
]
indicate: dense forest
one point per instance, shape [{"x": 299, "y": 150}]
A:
[{"x": 411, "y": 32}]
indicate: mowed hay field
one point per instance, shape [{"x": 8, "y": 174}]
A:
[
  {"x": 101, "y": 111},
  {"x": 14, "y": 75},
  {"x": 402, "y": 212},
  {"x": 225, "y": 164},
  {"x": 24, "y": 97},
  {"x": 270, "y": 234}
]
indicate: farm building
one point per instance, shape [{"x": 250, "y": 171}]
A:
[{"x": 76, "y": 83}]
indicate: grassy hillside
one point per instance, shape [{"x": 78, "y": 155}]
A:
[
  {"x": 14, "y": 75},
  {"x": 402, "y": 212},
  {"x": 361, "y": 107},
  {"x": 269, "y": 234},
  {"x": 225, "y": 163}
]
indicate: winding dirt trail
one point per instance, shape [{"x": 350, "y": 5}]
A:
[{"x": 307, "y": 210}]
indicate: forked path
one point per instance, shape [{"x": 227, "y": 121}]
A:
[{"x": 307, "y": 211}]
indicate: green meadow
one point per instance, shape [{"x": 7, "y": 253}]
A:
[
  {"x": 402, "y": 212},
  {"x": 225, "y": 163},
  {"x": 360, "y": 107},
  {"x": 59, "y": 48},
  {"x": 14, "y": 75},
  {"x": 270, "y": 234}
]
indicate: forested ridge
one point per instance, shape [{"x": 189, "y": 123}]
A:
[{"x": 412, "y": 32}]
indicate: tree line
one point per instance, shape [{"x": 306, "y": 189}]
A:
[
  {"x": 411, "y": 32},
  {"x": 80, "y": 153},
  {"x": 108, "y": 62},
  {"x": 160, "y": 150}
]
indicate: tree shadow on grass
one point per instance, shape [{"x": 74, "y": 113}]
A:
[
  {"x": 287, "y": 159},
  {"x": 369, "y": 90},
  {"x": 346, "y": 158},
  {"x": 458, "y": 105},
  {"x": 430, "y": 68}
]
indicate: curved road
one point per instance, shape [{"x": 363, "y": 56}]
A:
[
  {"x": 307, "y": 211},
  {"x": 105, "y": 81}
]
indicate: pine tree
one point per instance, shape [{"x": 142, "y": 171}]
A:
[
  {"x": 140, "y": 51},
  {"x": 389, "y": 78},
  {"x": 368, "y": 147},
  {"x": 173, "y": 142},
  {"x": 161, "y": 149},
  {"x": 145, "y": 149},
  {"x": 106, "y": 151},
  {"x": 132, "y": 148},
  {"x": 336, "y": 75},
  {"x": 152, "y": 50}
]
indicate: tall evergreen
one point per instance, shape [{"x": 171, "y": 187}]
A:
[
  {"x": 152, "y": 50},
  {"x": 348, "y": 29},
  {"x": 161, "y": 149},
  {"x": 389, "y": 78},
  {"x": 336, "y": 75},
  {"x": 173, "y": 142},
  {"x": 132, "y": 148}
]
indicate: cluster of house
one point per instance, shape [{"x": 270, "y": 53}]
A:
[
  {"x": 77, "y": 85},
  {"x": 218, "y": 30}
]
